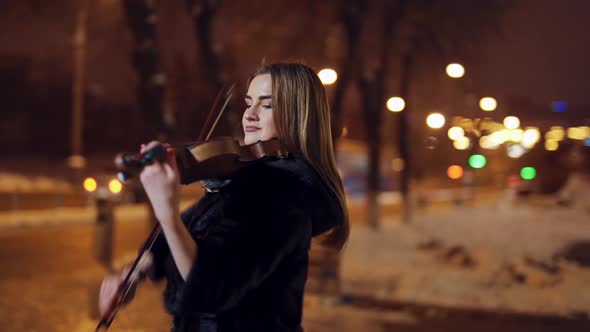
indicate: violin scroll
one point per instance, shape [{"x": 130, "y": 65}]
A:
[{"x": 131, "y": 164}]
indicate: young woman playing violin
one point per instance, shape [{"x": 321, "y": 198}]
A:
[{"x": 237, "y": 260}]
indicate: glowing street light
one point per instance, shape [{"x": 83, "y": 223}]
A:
[
  {"x": 455, "y": 70},
  {"x": 488, "y": 104},
  {"x": 396, "y": 104},
  {"x": 528, "y": 173},
  {"x": 477, "y": 161},
  {"x": 115, "y": 186},
  {"x": 435, "y": 120},
  {"x": 462, "y": 143},
  {"x": 90, "y": 185},
  {"x": 530, "y": 137},
  {"x": 456, "y": 133},
  {"x": 328, "y": 76},
  {"x": 511, "y": 122},
  {"x": 551, "y": 145},
  {"x": 455, "y": 172}
]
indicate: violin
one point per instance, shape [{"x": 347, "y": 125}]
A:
[
  {"x": 203, "y": 160},
  {"x": 216, "y": 158}
]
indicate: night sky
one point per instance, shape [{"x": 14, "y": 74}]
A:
[{"x": 544, "y": 53}]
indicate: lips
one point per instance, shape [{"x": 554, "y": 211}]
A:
[{"x": 250, "y": 129}]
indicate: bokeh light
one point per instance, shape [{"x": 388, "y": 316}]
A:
[
  {"x": 455, "y": 133},
  {"x": 90, "y": 185},
  {"x": 455, "y": 172},
  {"x": 487, "y": 142},
  {"x": 462, "y": 143},
  {"x": 515, "y": 135},
  {"x": 556, "y": 133},
  {"x": 488, "y": 104},
  {"x": 328, "y": 76},
  {"x": 115, "y": 186},
  {"x": 515, "y": 151},
  {"x": 551, "y": 145},
  {"x": 477, "y": 161},
  {"x": 559, "y": 106},
  {"x": 435, "y": 120},
  {"x": 528, "y": 173},
  {"x": 511, "y": 122},
  {"x": 455, "y": 70},
  {"x": 396, "y": 104},
  {"x": 578, "y": 133},
  {"x": 530, "y": 137}
]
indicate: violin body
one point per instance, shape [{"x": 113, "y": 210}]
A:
[{"x": 222, "y": 157}]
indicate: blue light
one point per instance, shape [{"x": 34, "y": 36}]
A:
[
  {"x": 587, "y": 141},
  {"x": 559, "y": 106}
]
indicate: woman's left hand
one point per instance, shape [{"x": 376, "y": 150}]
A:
[{"x": 161, "y": 183}]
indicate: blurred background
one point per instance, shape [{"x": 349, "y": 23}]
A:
[{"x": 462, "y": 136}]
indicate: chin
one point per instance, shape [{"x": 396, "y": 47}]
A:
[{"x": 249, "y": 140}]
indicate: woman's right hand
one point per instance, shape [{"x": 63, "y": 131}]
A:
[
  {"x": 109, "y": 289},
  {"x": 112, "y": 282}
]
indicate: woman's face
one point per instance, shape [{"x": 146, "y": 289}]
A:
[{"x": 257, "y": 121}]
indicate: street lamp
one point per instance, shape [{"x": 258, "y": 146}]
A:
[
  {"x": 396, "y": 104},
  {"x": 462, "y": 143},
  {"x": 511, "y": 122},
  {"x": 455, "y": 70},
  {"x": 328, "y": 76},
  {"x": 435, "y": 120},
  {"x": 551, "y": 145},
  {"x": 488, "y": 104},
  {"x": 456, "y": 133}
]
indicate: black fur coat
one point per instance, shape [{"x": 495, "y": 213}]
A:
[{"x": 253, "y": 238}]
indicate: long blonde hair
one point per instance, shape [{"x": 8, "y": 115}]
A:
[{"x": 302, "y": 117}]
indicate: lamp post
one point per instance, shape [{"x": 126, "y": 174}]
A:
[{"x": 76, "y": 160}]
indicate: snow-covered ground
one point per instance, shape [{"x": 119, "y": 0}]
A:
[{"x": 513, "y": 258}]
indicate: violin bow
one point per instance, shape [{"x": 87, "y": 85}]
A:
[
  {"x": 132, "y": 276},
  {"x": 228, "y": 92}
]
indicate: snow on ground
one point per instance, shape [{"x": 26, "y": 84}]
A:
[{"x": 500, "y": 259}]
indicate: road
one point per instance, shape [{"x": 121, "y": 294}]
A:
[{"x": 49, "y": 275}]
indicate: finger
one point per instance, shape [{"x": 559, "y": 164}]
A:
[
  {"x": 171, "y": 158},
  {"x": 171, "y": 173},
  {"x": 125, "y": 273},
  {"x": 152, "y": 144},
  {"x": 153, "y": 168}
]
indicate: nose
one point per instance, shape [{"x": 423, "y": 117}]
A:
[{"x": 251, "y": 114}]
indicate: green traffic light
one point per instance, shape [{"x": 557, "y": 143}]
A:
[
  {"x": 528, "y": 173},
  {"x": 477, "y": 161}
]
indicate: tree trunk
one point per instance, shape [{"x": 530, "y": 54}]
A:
[
  {"x": 351, "y": 17},
  {"x": 202, "y": 13},
  {"x": 404, "y": 150},
  {"x": 371, "y": 105},
  {"x": 141, "y": 18}
]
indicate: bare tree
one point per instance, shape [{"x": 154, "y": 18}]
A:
[
  {"x": 141, "y": 19},
  {"x": 406, "y": 30}
]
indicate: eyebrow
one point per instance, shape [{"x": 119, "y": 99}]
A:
[{"x": 260, "y": 98}]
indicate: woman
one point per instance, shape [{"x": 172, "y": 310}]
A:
[{"x": 237, "y": 260}]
